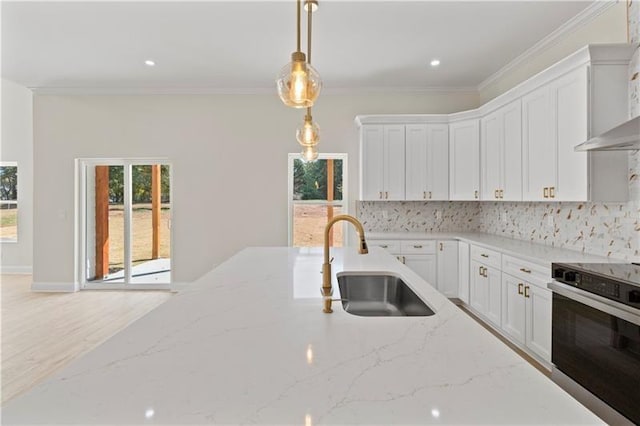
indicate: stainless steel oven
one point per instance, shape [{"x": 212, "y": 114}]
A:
[{"x": 596, "y": 331}]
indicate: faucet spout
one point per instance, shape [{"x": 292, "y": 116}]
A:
[{"x": 327, "y": 290}]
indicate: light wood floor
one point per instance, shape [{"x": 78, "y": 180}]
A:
[{"x": 43, "y": 332}]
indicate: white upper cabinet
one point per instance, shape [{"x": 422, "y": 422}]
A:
[
  {"x": 464, "y": 160},
  {"x": 501, "y": 154},
  {"x": 382, "y": 151},
  {"x": 516, "y": 147},
  {"x": 427, "y": 162}
]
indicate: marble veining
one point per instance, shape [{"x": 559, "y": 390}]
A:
[{"x": 248, "y": 344}]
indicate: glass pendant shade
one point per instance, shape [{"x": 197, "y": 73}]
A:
[
  {"x": 298, "y": 83},
  {"x": 309, "y": 133},
  {"x": 309, "y": 154}
]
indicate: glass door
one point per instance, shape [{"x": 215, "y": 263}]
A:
[{"x": 125, "y": 224}]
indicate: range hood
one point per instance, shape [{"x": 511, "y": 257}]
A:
[{"x": 625, "y": 137}]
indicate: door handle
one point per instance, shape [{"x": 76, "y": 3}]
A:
[
  {"x": 502, "y": 193},
  {"x": 441, "y": 246},
  {"x": 520, "y": 286},
  {"x": 424, "y": 195},
  {"x": 417, "y": 246},
  {"x": 496, "y": 193},
  {"x": 386, "y": 195},
  {"x": 526, "y": 271},
  {"x": 475, "y": 194},
  {"x": 429, "y": 194},
  {"x": 552, "y": 192},
  {"x": 380, "y": 195},
  {"x": 484, "y": 255},
  {"x": 545, "y": 192},
  {"x": 526, "y": 292},
  {"x": 480, "y": 271}
]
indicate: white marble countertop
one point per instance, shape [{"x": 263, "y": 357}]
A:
[
  {"x": 248, "y": 343},
  {"x": 533, "y": 252}
]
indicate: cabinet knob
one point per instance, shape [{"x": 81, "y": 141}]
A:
[{"x": 520, "y": 286}]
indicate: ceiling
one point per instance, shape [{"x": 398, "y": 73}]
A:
[{"x": 241, "y": 45}]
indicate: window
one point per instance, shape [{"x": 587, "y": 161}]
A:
[
  {"x": 9, "y": 202},
  {"x": 125, "y": 223},
  {"x": 316, "y": 194}
]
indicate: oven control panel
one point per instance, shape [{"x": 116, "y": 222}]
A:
[{"x": 594, "y": 283}]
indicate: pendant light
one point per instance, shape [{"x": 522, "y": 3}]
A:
[
  {"x": 308, "y": 134},
  {"x": 298, "y": 83}
]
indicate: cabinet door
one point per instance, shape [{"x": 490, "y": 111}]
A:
[
  {"x": 538, "y": 320},
  {"x": 569, "y": 97},
  {"x": 491, "y": 155},
  {"x": 464, "y": 160},
  {"x": 372, "y": 162},
  {"x": 539, "y": 165},
  {"x": 438, "y": 162},
  {"x": 447, "y": 271},
  {"x": 463, "y": 272},
  {"x": 513, "y": 308},
  {"x": 423, "y": 265},
  {"x": 394, "y": 162},
  {"x": 494, "y": 305},
  {"x": 479, "y": 291},
  {"x": 416, "y": 146},
  {"x": 511, "y": 178}
]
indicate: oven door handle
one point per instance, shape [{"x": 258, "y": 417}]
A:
[{"x": 596, "y": 302}]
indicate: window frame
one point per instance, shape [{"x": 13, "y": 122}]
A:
[
  {"x": 17, "y": 201},
  {"x": 345, "y": 191}
]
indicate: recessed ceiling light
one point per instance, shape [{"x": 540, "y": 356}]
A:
[
  {"x": 149, "y": 63},
  {"x": 435, "y": 62}
]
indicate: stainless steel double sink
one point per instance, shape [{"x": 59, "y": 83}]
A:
[{"x": 379, "y": 296}]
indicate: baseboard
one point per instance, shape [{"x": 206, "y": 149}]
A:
[
  {"x": 20, "y": 270},
  {"x": 54, "y": 287}
]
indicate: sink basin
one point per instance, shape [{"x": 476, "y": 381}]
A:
[{"x": 380, "y": 296}]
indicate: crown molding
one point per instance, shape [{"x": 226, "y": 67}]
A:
[
  {"x": 588, "y": 14},
  {"x": 238, "y": 91}
]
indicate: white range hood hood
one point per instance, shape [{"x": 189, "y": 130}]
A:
[{"x": 624, "y": 137}]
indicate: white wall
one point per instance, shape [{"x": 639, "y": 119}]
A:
[
  {"x": 229, "y": 155},
  {"x": 17, "y": 145},
  {"x": 608, "y": 27}
]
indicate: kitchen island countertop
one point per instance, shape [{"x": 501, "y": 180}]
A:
[{"x": 248, "y": 343}]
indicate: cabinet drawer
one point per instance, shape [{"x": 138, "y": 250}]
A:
[
  {"x": 392, "y": 246},
  {"x": 525, "y": 270},
  {"x": 486, "y": 256},
  {"x": 418, "y": 247}
]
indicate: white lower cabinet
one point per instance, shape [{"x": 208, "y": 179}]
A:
[
  {"x": 513, "y": 308},
  {"x": 526, "y": 315},
  {"x": 538, "y": 320},
  {"x": 479, "y": 288},
  {"x": 447, "y": 268},
  {"x": 485, "y": 291},
  {"x": 423, "y": 265}
]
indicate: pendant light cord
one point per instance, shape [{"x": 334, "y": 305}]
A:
[
  {"x": 309, "y": 12},
  {"x": 298, "y": 26}
]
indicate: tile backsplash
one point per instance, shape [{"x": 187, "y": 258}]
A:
[{"x": 606, "y": 229}]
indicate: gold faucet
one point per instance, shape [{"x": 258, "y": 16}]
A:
[{"x": 327, "y": 290}]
